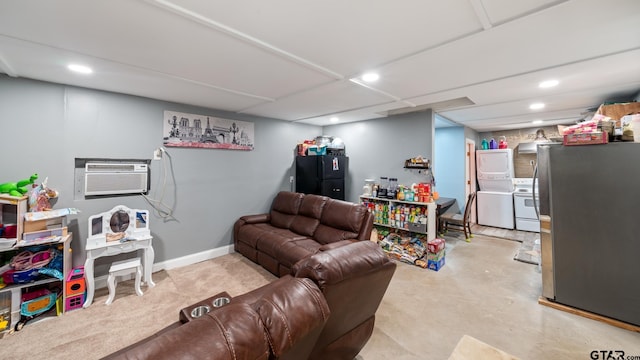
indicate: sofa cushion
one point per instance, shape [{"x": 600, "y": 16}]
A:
[
  {"x": 251, "y": 234},
  {"x": 309, "y": 214},
  {"x": 340, "y": 220},
  {"x": 269, "y": 242},
  {"x": 293, "y": 251},
  {"x": 284, "y": 208}
]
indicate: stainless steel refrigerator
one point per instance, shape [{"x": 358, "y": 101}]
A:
[{"x": 590, "y": 227}]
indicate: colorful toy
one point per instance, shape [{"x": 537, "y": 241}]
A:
[
  {"x": 17, "y": 188},
  {"x": 40, "y": 195},
  {"x": 74, "y": 302},
  {"x": 75, "y": 282},
  {"x": 35, "y": 303},
  {"x": 75, "y": 289}
]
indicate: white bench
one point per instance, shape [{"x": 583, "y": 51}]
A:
[{"x": 121, "y": 268}]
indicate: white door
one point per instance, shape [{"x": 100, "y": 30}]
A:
[{"x": 470, "y": 174}]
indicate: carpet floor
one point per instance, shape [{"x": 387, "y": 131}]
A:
[{"x": 480, "y": 292}]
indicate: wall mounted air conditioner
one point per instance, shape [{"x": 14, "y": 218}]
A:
[{"x": 114, "y": 178}]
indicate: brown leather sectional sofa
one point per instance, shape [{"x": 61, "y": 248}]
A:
[
  {"x": 332, "y": 280},
  {"x": 325, "y": 309},
  {"x": 298, "y": 226}
]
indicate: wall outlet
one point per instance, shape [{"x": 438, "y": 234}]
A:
[
  {"x": 290, "y": 179},
  {"x": 157, "y": 154}
]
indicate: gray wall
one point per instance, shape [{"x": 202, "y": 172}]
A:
[
  {"x": 379, "y": 147},
  {"x": 45, "y": 126}
]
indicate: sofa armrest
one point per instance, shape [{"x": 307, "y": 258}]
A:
[
  {"x": 336, "y": 244},
  {"x": 248, "y": 219},
  {"x": 255, "y": 219}
]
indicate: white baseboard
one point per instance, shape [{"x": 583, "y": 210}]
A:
[{"x": 101, "y": 281}]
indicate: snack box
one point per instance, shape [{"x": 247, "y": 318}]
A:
[
  {"x": 435, "y": 265},
  {"x": 586, "y": 138},
  {"x": 435, "y": 256},
  {"x": 435, "y": 245},
  {"x": 317, "y": 150}
]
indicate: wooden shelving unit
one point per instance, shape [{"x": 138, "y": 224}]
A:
[{"x": 13, "y": 210}]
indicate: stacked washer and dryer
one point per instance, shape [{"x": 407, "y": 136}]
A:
[
  {"x": 495, "y": 174},
  {"x": 503, "y": 200}
]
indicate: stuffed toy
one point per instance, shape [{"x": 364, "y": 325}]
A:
[{"x": 17, "y": 188}]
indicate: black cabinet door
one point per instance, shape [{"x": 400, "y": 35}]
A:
[
  {"x": 307, "y": 180},
  {"x": 332, "y": 167},
  {"x": 333, "y": 188}
]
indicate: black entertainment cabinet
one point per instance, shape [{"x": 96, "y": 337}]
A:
[{"x": 322, "y": 175}]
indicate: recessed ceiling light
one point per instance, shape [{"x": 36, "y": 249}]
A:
[
  {"x": 334, "y": 119},
  {"x": 536, "y": 122},
  {"x": 548, "y": 83},
  {"x": 370, "y": 77},
  {"x": 536, "y": 106},
  {"x": 80, "y": 69}
]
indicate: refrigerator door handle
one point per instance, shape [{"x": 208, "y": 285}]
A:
[{"x": 533, "y": 191}]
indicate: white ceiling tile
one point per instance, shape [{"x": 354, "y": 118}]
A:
[
  {"x": 500, "y": 11},
  {"x": 347, "y": 36},
  {"x": 325, "y": 100},
  {"x": 168, "y": 44},
  {"x": 43, "y": 63},
  {"x": 292, "y": 60}
]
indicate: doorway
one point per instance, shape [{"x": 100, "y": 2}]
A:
[{"x": 470, "y": 173}]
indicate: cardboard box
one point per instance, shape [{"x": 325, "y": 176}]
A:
[
  {"x": 617, "y": 111},
  {"x": 586, "y": 139},
  {"x": 417, "y": 227},
  {"x": 44, "y": 224},
  {"x": 435, "y": 265},
  {"x": 317, "y": 150},
  {"x": 436, "y": 256},
  {"x": 435, "y": 245}
]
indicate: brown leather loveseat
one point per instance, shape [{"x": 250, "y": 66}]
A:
[
  {"x": 325, "y": 309},
  {"x": 297, "y": 226}
]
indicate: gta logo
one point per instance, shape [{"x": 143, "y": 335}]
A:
[{"x": 607, "y": 355}]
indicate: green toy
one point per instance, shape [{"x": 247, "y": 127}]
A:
[{"x": 17, "y": 188}]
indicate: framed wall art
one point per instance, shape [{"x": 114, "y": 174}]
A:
[{"x": 209, "y": 132}]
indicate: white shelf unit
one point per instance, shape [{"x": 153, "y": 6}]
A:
[
  {"x": 14, "y": 209},
  {"x": 381, "y": 217}
]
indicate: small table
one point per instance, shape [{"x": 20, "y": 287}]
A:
[{"x": 443, "y": 205}]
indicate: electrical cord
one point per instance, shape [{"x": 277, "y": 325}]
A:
[{"x": 162, "y": 210}]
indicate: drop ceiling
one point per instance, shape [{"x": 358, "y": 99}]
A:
[{"x": 475, "y": 62}]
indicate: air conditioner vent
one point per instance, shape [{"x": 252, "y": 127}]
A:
[
  {"x": 114, "y": 167},
  {"x": 112, "y": 178}
]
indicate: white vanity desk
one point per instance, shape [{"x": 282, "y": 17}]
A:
[{"x": 119, "y": 230}]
